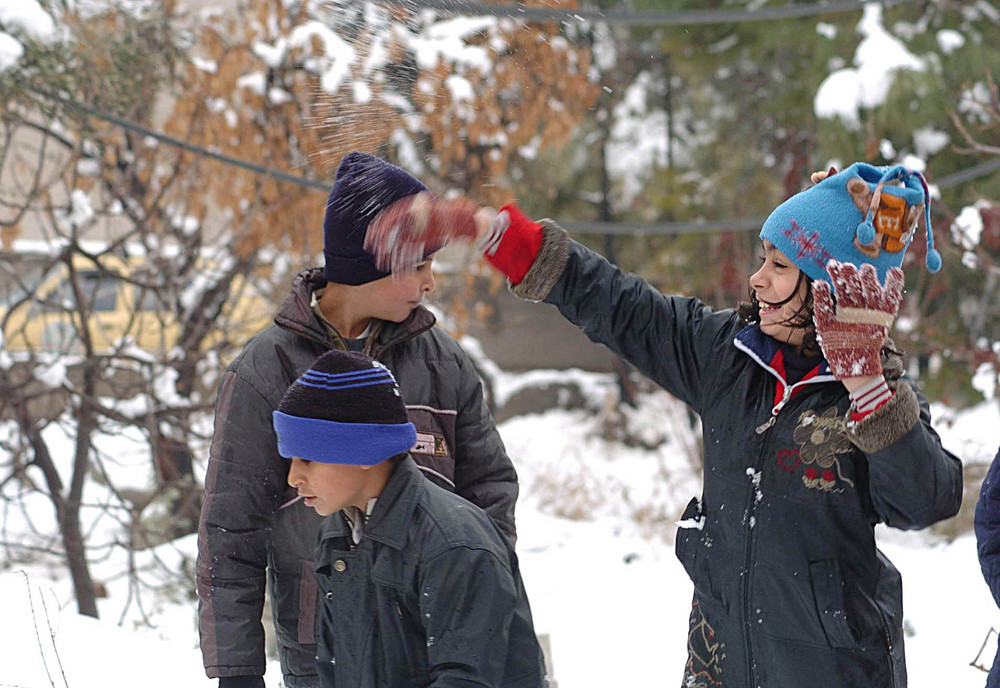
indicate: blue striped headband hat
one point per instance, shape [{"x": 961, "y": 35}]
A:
[
  {"x": 346, "y": 409},
  {"x": 864, "y": 214}
]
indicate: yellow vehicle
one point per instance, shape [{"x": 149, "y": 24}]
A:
[{"x": 42, "y": 312}]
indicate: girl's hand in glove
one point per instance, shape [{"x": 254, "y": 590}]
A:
[
  {"x": 413, "y": 227},
  {"x": 852, "y": 332}
]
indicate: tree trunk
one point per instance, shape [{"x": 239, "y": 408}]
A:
[
  {"x": 76, "y": 559},
  {"x": 68, "y": 516},
  {"x": 69, "y": 522}
]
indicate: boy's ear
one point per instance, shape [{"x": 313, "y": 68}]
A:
[{"x": 377, "y": 465}]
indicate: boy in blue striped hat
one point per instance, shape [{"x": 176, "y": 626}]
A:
[{"x": 417, "y": 585}]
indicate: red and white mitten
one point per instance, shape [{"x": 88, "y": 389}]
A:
[
  {"x": 405, "y": 232},
  {"x": 853, "y": 331}
]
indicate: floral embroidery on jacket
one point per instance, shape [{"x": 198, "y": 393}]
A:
[{"x": 821, "y": 438}]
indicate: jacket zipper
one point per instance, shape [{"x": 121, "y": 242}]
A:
[
  {"x": 748, "y": 561},
  {"x": 758, "y": 470},
  {"x": 762, "y": 428},
  {"x": 888, "y": 645},
  {"x": 758, "y": 473}
]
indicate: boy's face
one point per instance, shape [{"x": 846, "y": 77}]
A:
[
  {"x": 775, "y": 287},
  {"x": 392, "y": 298},
  {"x": 329, "y": 487}
]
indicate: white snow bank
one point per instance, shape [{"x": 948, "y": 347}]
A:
[
  {"x": 31, "y": 619},
  {"x": 56, "y": 648}
]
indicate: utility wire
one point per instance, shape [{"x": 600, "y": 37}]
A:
[
  {"x": 752, "y": 224},
  {"x": 616, "y": 228},
  {"x": 662, "y": 228},
  {"x": 628, "y": 18},
  {"x": 968, "y": 174},
  {"x": 184, "y": 145}
]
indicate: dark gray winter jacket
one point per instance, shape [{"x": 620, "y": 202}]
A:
[
  {"x": 790, "y": 589},
  {"x": 431, "y": 596},
  {"x": 245, "y": 531}
]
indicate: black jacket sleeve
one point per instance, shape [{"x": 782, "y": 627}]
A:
[
  {"x": 484, "y": 473},
  {"x": 987, "y": 524},
  {"x": 242, "y": 491},
  {"x": 913, "y": 481},
  {"x": 668, "y": 338}
]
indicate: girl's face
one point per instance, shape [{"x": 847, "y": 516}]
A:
[{"x": 781, "y": 296}]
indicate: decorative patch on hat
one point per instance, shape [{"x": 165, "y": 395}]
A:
[
  {"x": 807, "y": 244},
  {"x": 894, "y": 222},
  {"x": 821, "y": 438},
  {"x": 705, "y": 653}
]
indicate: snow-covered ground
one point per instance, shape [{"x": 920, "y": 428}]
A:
[{"x": 595, "y": 519}]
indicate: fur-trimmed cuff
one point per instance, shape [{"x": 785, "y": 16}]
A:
[
  {"x": 888, "y": 423},
  {"x": 548, "y": 266}
]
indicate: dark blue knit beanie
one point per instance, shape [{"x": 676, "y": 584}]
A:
[
  {"x": 346, "y": 409},
  {"x": 363, "y": 188}
]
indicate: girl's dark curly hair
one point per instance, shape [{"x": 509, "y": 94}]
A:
[{"x": 749, "y": 313}]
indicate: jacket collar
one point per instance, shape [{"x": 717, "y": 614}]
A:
[
  {"x": 393, "y": 514},
  {"x": 296, "y": 315},
  {"x": 763, "y": 349}
]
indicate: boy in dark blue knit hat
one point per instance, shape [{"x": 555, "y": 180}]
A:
[
  {"x": 252, "y": 529},
  {"x": 418, "y": 587}
]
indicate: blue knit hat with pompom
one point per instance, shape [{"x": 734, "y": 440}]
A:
[{"x": 864, "y": 214}]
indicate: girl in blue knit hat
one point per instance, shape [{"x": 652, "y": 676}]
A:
[{"x": 813, "y": 434}]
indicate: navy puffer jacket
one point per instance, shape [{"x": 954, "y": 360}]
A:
[{"x": 790, "y": 589}]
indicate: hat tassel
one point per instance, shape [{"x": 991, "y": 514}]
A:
[
  {"x": 933, "y": 259},
  {"x": 866, "y": 229}
]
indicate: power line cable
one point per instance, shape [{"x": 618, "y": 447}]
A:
[
  {"x": 629, "y": 18},
  {"x": 662, "y": 228},
  {"x": 968, "y": 174},
  {"x": 709, "y": 227},
  {"x": 615, "y": 228},
  {"x": 184, "y": 145}
]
